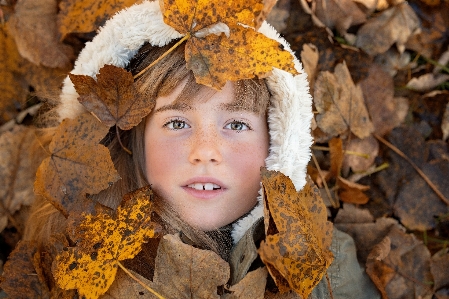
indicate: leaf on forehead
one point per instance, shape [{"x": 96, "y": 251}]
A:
[
  {"x": 112, "y": 98},
  {"x": 78, "y": 164},
  {"x": 103, "y": 239},
  {"x": 297, "y": 255},
  {"x": 219, "y": 48}
]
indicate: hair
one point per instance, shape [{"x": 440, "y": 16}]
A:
[{"x": 157, "y": 81}]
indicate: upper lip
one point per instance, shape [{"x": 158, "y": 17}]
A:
[{"x": 204, "y": 180}]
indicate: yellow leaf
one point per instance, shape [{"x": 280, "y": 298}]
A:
[
  {"x": 102, "y": 241},
  {"x": 296, "y": 249},
  {"x": 84, "y": 16}
]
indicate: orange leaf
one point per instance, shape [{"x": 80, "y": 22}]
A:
[
  {"x": 112, "y": 98},
  {"x": 352, "y": 192},
  {"x": 77, "y": 165},
  {"x": 297, "y": 255},
  {"x": 103, "y": 240},
  {"x": 219, "y": 48}
]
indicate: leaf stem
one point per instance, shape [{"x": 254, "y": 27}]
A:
[
  {"x": 334, "y": 203},
  {"x": 139, "y": 281},
  {"x": 120, "y": 141},
  {"x": 325, "y": 148},
  {"x": 419, "y": 171},
  {"x": 186, "y": 37}
]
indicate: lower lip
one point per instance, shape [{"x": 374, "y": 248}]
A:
[{"x": 203, "y": 194}]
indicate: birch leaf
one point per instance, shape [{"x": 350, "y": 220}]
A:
[
  {"x": 296, "y": 249},
  {"x": 103, "y": 239}
]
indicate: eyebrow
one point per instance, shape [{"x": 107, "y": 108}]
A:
[
  {"x": 175, "y": 106},
  {"x": 236, "y": 106}
]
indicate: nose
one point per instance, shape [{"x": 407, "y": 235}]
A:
[{"x": 206, "y": 148}]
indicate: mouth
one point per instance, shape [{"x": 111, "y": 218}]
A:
[{"x": 204, "y": 186}]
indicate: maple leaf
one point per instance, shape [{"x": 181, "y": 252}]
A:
[
  {"x": 34, "y": 28},
  {"x": 252, "y": 286},
  {"x": 85, "y": 16},
  {"x": 103, "y": 240},
  {"x": 296, "y": 249},
  {"x": 70, "y": 173},
  {"x": 112, "y": 98},
  {"x": 218, "y": 47}
]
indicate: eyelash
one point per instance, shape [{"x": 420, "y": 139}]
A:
[{"x": 171, "y": 121}]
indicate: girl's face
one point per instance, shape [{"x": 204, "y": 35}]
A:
[{"x": 205, "y": 159}]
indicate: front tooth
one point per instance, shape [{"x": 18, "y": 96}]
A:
[
  {"x": 216, "y": 186},
  {"x": 198, "y": 186},
  {"x": 208, "y": 186}
]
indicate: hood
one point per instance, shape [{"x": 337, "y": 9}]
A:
[{"x": 289, "y": 114}]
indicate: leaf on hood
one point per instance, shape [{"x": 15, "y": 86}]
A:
[
  {"x": 296, "y": 249},
  {"x": 34, "y": 28},
  {"x": 11, "y": 86},
  {"x": 340, "y": 104},
  {"x": 252, "y": 286},
  {"x": 396, "y": 270},
  {"x": 16, "y": 171},
  {"x": 102, "y": 240},
  {"x": 83, "y": 16},
  {"x": 78, "y": 164},
  {"x": 222, "y": 43},
  {"x": 22, "y": 274},
  {"x": 339, "y": 14},
  {"x": 183, "y": 271},
  {"x": 394, "y": 25},
  {"x": 113, "y": 97}
]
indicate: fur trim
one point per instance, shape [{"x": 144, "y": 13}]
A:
[{"x": 289, "y": 115}]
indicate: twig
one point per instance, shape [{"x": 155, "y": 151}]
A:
[
  {"x": 335, "y": 204},
  {"x": 187, "y": 36},
  {"x": 419, "y": 171},
  {"x": 139, "y": 281},
  {"x": 120, "y": 141},
  {"x": 325, "y": 148},
  {"x": 329, "y": 286}
]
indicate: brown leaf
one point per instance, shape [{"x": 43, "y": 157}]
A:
[
  {"x": 445, "y": 123},
  {"x": 367, "y": 146},
  {"x": 69, "y": 173},
  {"x": 339, "y": 14},
  {"x": 183, "y": 271},
  {"x": 85, "y": 16},
  {"x": 297, "y": 251},
  {"x": 385, "y": 110},
  {"x": 394, "y": 25},
  {"x": 44, "y": 80},
  {"x": 113, "y": 97},
  {"x": 352, "y": 192},
  {"x": 102, "y": 240},
  {"x": 404, "y": 271},
  {"x": 268, "y": 5},
  {"x": 22, "y": 273},
  {"x": 439, "y": 267},
  {"x": 12, "y": 86},
  {"x": 427, "y": 81},
  {"x": 252, "y": 286},
  {"x": 125, "y": 287},
  {"x": 340, "y": 104},
  {"x": 336, "y": 153},
  {"x": 34, "y": 28},
  {"x": 309, "y": 58}
]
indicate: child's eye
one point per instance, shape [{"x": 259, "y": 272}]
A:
[
  {"x": 238, "y": 126},
  {"x": 176, "y": 124}
]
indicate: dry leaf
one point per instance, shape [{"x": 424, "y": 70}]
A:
[
  {"x": 352, "y": 192},
  {"x": 22, "y": 273},
  {"x": 366, "y": 146},
  {"x": 252, "y": 286},
  {"x": 406, "y": 263},
  {"x": 235, "y": 51},
  {"x": 78, "y": 164},
  {"x": 125, "y": 287},
  {"x": 339, "y": 14},
  {"x": 340, "y": 104},
  {"x": 85, "y": 16},
  {"x": 103, "y": 240},
  {"x": 336, "y": 153},
  {"x": 427, "y": 81},
  {"x": 16, "y": 171},
  {"x": 34, "y": 28},
  {"x": 12, "y": 88},
  {"x": 309, "y": 58},
  {"x": 439, "y": 267},
  {"x": 113, "y": 97},
  {"x": 44, "y": 80},
  {"x": 386, "y": 111},
  {"x": 279, "y": 15},
  {"x": 183, "y": 271},
  {"x": 394, "y": 25},
  {"x": 296, "y": 249},
  {"x": 268, "y": 5},
  {"x": 445, "y": 123}
]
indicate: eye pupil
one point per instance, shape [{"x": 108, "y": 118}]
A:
[
  {"x": 178, "y": 125},
  {"x": 237, "y": 126}
]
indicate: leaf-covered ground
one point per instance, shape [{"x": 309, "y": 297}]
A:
[{"x": 379, "y": 75}]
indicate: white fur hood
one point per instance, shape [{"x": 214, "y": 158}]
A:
[{"x": 290, "y": 113}]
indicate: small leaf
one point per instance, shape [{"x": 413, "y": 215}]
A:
[
  {"x": 252, "y": 286},
  {"x": 102, "y": 240},
  {"x": 70, "y": 173},
  {"x": 113, "y": 98},
  {"x": 298, "y": 255}
]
